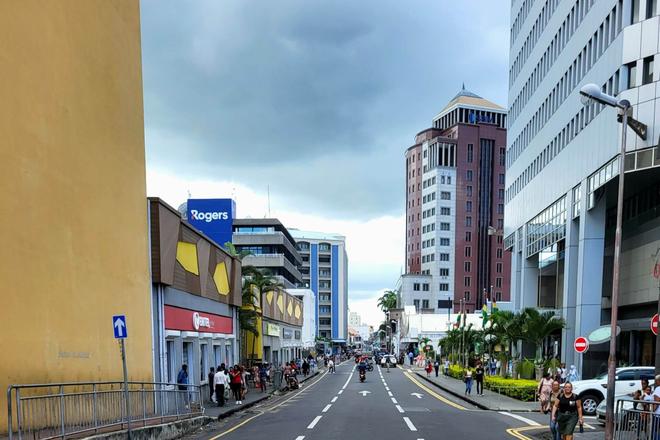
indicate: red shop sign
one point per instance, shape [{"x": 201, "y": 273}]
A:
[{"x": 190, "y": 320}]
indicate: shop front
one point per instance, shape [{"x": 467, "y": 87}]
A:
[
  {"x": 292, "y": 345},
  {"x": 196, "y": 289},
  {"x": 272, "y": 343}
]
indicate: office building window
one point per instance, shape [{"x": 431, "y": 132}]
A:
[
  {"x": 468, "y": 251},
  {"x": 502, "y": 179},
  {"x": 647, "y": 76},
  {"x": 468, "y": 236},
  {"x": 650, "y": 8},
  {"x": 500, "y": 207},
  {"x": 445, "y": 195},
  {"x": 468, "y": 206},
  {"x": 444, "y": 226},
  {"x": 444, "y": 242},
  {"x": 468, "y": 175},
  {"x": 468, "y": 191},
  {"x": 466, "y": 295},
  {"x": 444, "y": 272},
  {"x": 498, "y": 296},
  {"x": 416, "y": 287},
  {"x": 425, "y": 303},
  {"x": 634, "y": 11},
  {"x": 445, "y": 211},
  {"x": 425, "y": 287},
  {"x": 468, "y": 221},
  {"x": 466, "y": 281},
  {"x": 467, "y": 266},
  {"x": 498, "y": 282},
  {"x": 498, "y": 268},
  {"x": 499, "y": 252},
  {"x": 632, "y": 74},
  {"x": 416, "y": 304},
  {"x": 470, "y": 153},
  {"x": 444, "y": 257}
]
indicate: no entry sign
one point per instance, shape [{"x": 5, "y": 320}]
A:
[
  {"x": 581, "y": 344},
  {"x": 654, "y": 324}
]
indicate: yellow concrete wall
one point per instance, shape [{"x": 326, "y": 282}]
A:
[{"x": 73, "y": 228}]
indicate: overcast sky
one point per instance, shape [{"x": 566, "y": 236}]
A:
[{"x": 316, "y": 100}]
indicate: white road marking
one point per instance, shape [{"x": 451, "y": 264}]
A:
[
  {"x": 394, "y": 401},
  {"x": 300, "y": 437},
  {"x": 327, "y": 407},
  {"x": 314, "y": 422},
  {"x": 410, "y": 424},
  {"x": 334, "y": 399},
  {"x": 340, "y": 391},
  {"x": 400, "y": 409},
  {"x": 389, "y": 393},
  {"x": 387, "y": 388},
  {"x": 521, "y": 418}
]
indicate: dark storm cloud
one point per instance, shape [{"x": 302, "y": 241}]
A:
[{"x": 317, "y": 99}]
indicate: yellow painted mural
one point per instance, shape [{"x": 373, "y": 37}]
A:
[{"x": 72, "y": 192}]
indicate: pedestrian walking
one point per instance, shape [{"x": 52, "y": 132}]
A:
[
  {"x": 411, "y": 355},
  {"x": 305, "y": 368},
  {"x": 446, "y": 367},
  {"x": 572, "y": 375},
  {"x": 468, "y": 381},
  {"x": 331, "y": 366},
  {"x": 563, "y": 373},
  {"x": 220, "y": 383},
  {"x": 235, "y": 383},
  {"x": 479, "y": 377},
  {"x": 567, "y": 412},
  {"x": 210, "y": 381},
  {"x": 182, "y": 382},
  {"x": 493, "y": 366},
  {"x": 436, "y": 366},
  {"x": 544, "y": 390},
  {"x": 263, "y": 377},
  {"x": 428, "y": 368},
  {"x": 554, "y": 395},
  {"x": 244, "y": 382}
]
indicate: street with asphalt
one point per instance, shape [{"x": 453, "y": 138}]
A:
[{"x": 398, "y": 404}]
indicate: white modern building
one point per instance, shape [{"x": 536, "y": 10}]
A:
[
  {"x": 309, "y": 327},
  {"x": 562, "y": 168},
  {"x": 325, "y": 272},
  {"x": 354, "y": 319}
]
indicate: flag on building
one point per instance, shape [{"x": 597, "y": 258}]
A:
[{"x": 484, "y": 315}]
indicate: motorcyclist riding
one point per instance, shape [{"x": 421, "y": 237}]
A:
[{"x": 362, "y": 368}]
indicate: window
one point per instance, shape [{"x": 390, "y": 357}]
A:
[
  {"x": 469, "y": 190},
  {"x": 500, "y": 194},
  {"x": 466, "y": 281},
  {"x": 445, "y": 211},
  {"x": 324, "y": 309},
  {"x": 501, "y": 179},
  {"x": 468, "y": 206},
  {"x": 468, "y": 251},
  {"x": 500, "y": 208},
  {"x": 203, "y": 364},
  {"x": 425, "y": 287},
  {"x": 425, "y": 304},
  {"x": 444, "y": 241},
  {"x": 444, "y": 287},
  {"x": 468, "y": 175},
  {"x": 416, "y": 287},
  {"x": 634, "y": 11},
  {"x": 444, "y": 257},
  {"x": 470, "y": 153},
  {"x": 498, "y": 296},
  {"x": 468, "y": 221},
  {"x": 498, "y": 282},
  {"x": 444, "y": 272},
  {"x": 416, "y": 304},
  {"x": 466, "y": 295},
  {"x": 444, "y": 226},
  {"x": 498, "y": 268},
  {"x": 169, "y": 353},
  {"x": 324, "y": 247},
  {"x": 650, "y": 8},
  {"x": 647, "y": 72},
  {"x": 632, "y": 74},
  {"x": 442, "y": 179},
  {"x": 445, "y": 195},
  {"x": 499, "y": 252},
  {"x": 467, "y": 266},
  {"x": 468, "y": 236}
]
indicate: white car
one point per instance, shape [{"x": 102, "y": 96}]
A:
[
  {"x": 594, "y": 391},
  {"x": 600, "y": 411}
]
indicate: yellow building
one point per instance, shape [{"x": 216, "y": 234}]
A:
[{"x": 73, "y": 246}]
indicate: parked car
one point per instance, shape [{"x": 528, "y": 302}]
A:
[
  {"x": 594, "y": 391},
  {"x": 600, "y": 411}
]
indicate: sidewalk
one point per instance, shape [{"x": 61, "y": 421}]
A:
[
  {"x": 489, "y": 401},
  {"x": 253, "y": 397}
]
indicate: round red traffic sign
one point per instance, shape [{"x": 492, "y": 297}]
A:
[
  {"x": 654, "y": 324},
  {"x": 581, "y": 344}
]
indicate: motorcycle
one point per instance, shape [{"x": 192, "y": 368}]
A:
[
  {"x": 363, "y": 375},
  {"x": 370, "y": 366},
  {"x": 292, "y": 383}
]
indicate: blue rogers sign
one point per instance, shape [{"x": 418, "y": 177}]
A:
[{"x": 214, "y": 217}]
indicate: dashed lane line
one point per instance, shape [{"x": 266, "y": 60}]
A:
[
  {"x": 334, "y": 399},
  {"x": 398, "y": 407},
  {"x": 394, "y": 400},
  {"x": 314, "y": 422},
  {"x": 300, "y": 437},
  {"x": 410, "y": 424},
  {"x": 327, "y": 407},
  {"x": 389, "y": 393}
]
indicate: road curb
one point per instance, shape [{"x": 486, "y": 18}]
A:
[
  {"x": 455, "y": 394},
  {"x": 243, "y": 407}
]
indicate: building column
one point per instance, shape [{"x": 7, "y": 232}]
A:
[
  {"x": 516, "y": 263},
  {"x": 568, "y": 308},
  {"x": 591, "y": 249},
  {"x": 529, "y": 282}
]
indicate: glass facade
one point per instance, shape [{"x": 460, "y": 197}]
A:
[{"x": 547, "y": 228}]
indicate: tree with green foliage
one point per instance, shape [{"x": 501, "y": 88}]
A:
[{"x": 538, "y": 326}]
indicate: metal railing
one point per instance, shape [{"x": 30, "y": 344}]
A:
[
  {"x": 61, "y": 410},
  {"x": 635, "y": 420}
]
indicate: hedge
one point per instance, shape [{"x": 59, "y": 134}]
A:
[{"x": 521, "y": 389}]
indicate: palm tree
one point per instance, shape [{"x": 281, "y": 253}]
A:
[
  {"x": 388, "y": 301},
  {"x": 538, "y": 326},
  {"x": 508, "y": 327},
  {"x": 231, "y": 250}
]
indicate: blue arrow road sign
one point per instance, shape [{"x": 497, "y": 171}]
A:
[{"x": 119, "y": 326}]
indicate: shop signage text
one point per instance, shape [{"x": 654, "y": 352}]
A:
[
  {"x": 189, "y": 320},
  {"x": 214, "y": 217},
  {"x": 287, "y": 333},
  {"x": 272, "y": 329}
]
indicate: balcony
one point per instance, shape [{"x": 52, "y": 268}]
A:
[
  {"x": 273, "y": 238},
  {"x": 272, "y": 260}
]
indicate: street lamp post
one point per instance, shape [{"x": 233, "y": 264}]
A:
[{"x": 590, "y": 93}]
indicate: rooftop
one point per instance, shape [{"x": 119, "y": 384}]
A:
[
  {"x": 311, "y": 235},
  {"x": 466, "y": 97}
]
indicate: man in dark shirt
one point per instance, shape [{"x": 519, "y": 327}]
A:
[
  {"x": 210, "y": 377},
  {"x": 479, "y": 377}
]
